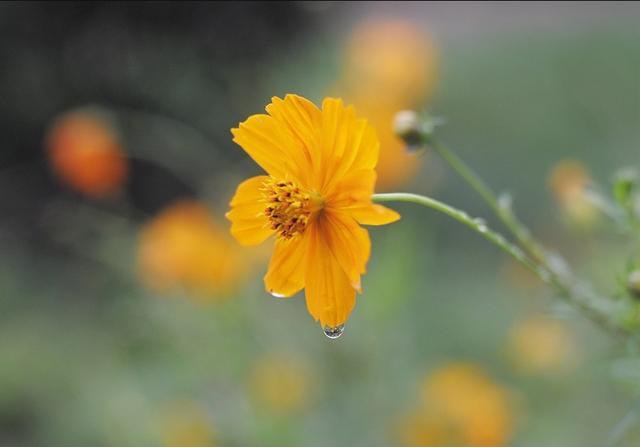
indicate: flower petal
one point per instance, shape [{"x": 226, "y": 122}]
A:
[
  {"x": 348, "y": 242},
  {"x": 373, "y": 214},
  {"x": 302, "y": 119},
  {"x": 287, "y": 267},
  {"x": 249, "y": 224},
  {"x": 348, "y": 143},
  {"x": 329, "y": 294},
  {"x": 356, "y": 188},
  {"x": 272, "y": 147}
]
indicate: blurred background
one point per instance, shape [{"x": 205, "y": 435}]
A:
[{"x": 129, "y": 317}]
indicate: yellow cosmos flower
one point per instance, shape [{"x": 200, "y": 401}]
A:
[
  {"x": 569, "y": 181},
  {"x": 183, "y": 247},
  {"x": 542, "y": 345},
  {"x": 187, "y": 424},
  {"x": 478, "y": 409},
  {"x": 320, "y": 176},
  {"x": 281, "y": 384},
  {"x": 389, "y": 65},
  {"x": 391, "y": 60},
  {"x": 422, "y": 427}
]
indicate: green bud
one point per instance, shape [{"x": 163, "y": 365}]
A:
[
  {"x": 633, "y": 283},
  {"x": 408, "y": 126},
  {"x": 624, "y": 183}
]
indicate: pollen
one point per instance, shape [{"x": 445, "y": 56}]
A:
[{"x": 288, "y": 207}]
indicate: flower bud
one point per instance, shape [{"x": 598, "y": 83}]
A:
[
  {"x": 633, "y": 283},
  {"x": 624, "y": 183},
  {"x": 407, "y": 125}
]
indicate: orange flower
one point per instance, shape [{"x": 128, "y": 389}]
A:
[
  {"x": 422, "y": 427},
  {"x": 478, "y": 409},
  {"x": 184, "y": 247},
  {"x": 187, "y": 424},
  {"x": 391, "y": 60},
  {"x": 280, "y": 383},
  {"x": 390, "y": 65},
  {"x": 569, "y": 181},
  {"x": 85, "y": 153},
  {"x": 320, "y": 168},
  {"x": 396, "y": 164},
  {"x": 542, "y": 345}
]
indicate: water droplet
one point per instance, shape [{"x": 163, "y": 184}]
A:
[
  {"x": 480, "y": 222},
  {"x": 276, "y": 294},
  {"x": 482, "y": 228},
  {"x": 333, "y": 332}
]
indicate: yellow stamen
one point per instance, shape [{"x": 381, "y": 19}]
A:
[{"x": 289, "y": 207}]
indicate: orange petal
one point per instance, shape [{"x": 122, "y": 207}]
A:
[
  {"x": 271, "y": 146},
  {"x": 301, "y": 118},
  {"x": 348, "y": 242},
  {"x": 249, "y": 225},
  {"x": 329, "y": 294},
  {"x": 287, "y": 267},
  {"x": 356, "y": 188},
  {"x": 348, "y": 143},
  {"x": 373, "y": 214}
]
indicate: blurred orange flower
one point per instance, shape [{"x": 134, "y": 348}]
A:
[
  {"x": 84, "y": 152},
  {"x": 542, "y": 345},
  {"x": 390, "y": 65},
  {"x": 187, "y": 424},
  {"x": 568, "y": 181},
  {"x": 477, "y": 409},
  {"x": 421, "y": 427},
  {"x": 183, "y": 246},
  {"x": 392, "y": 60},
  {"x": 281, "y": 384},
  {"x": 314, "y": 198}
]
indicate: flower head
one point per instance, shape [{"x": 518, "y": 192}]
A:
[
  {"x": 281, "y": 384},
  {"x": 187, "y": 424},
  {"x": 183, "y": 247},
  {"x": 389, "y": 65},
  {"x": 478, "y": 409},
  {"x": 85, "y": 153},
  {"x": 320, "y": 176},
  {"x": 540, "y": 345},
  {"x": 569, "y": 182},
  {"x": 391, "y": 60}
]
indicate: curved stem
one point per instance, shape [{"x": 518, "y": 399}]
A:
[
  {"x": 504, "y": 213},
  {"x": 476, "y": 224},
  {"x": 593, "y": 308}
]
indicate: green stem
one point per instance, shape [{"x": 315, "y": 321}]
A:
[
  {"x": 476, "y": 224},
  {"x": 591, "y": 307},
  {"x": 504, "y": 213}
]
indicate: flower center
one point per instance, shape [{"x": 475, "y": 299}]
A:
[{"x": 289, "y": 207}]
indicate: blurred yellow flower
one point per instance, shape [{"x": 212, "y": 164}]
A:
[
  {"x": 183, "y": 247},
  {"x": 421, "y": 427},
  {"x": 568, "y": 181},
  {"x": 316, "y": 194},
  {"x": 390, "y": 65},
  {"x": 392, "y": 60},
  {"x": 187, "y": 424},
  {"x": 396, "y": 164},
  {"x": 84, "y": 152},
  {"x": 280, "y": 383},
  {"x": 542, "y": 345},
  {"x": 478, "y": 410}
]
